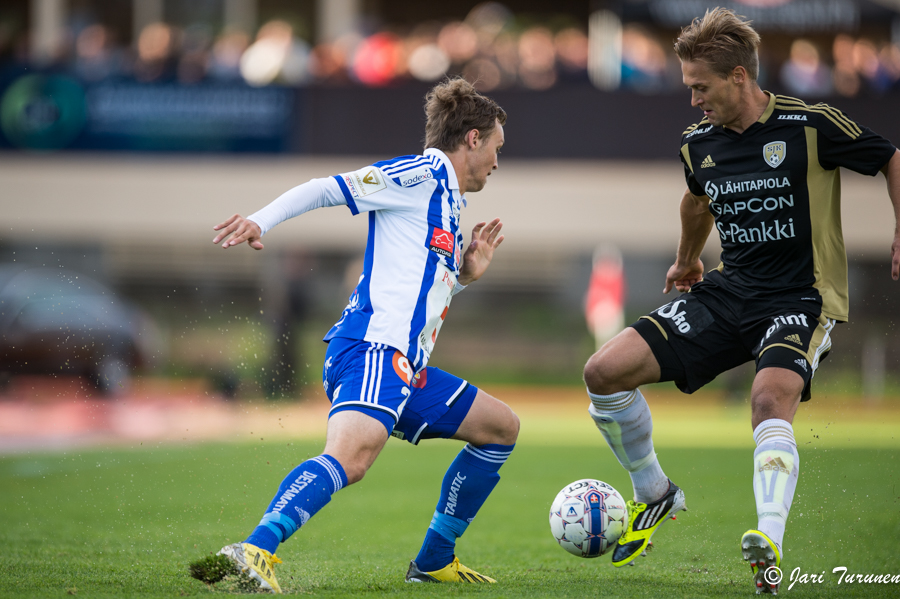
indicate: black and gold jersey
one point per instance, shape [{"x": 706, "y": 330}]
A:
[{"x": 775, "y": 193}]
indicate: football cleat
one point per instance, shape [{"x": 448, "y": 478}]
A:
[
  {"x": 765, "y": 561},
  {"x": 452, "y": 572},
  {"x": 643, "y": 521},
  {"x": 257, "y": 563},
  {"x": 644, "y": 552}
]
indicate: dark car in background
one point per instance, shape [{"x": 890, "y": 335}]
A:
[{"x": 54, "y": 321}]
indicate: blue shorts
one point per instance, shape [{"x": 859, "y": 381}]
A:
[{"x": 377, "y": 380}]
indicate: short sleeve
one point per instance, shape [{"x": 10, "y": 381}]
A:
[
  {"x": 367, "y": 189},
  {"x": 841, "y": 142},
  {"x": 689, "y": 178}
]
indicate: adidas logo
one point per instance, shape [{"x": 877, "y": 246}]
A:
[
  {"x": 801, "y": 362},
  {"x": 776, "y": 464},
  {"x": 707, "y": 162},
  {"x": 795, "y": 338},
  {"x": 654, "y": 514}
]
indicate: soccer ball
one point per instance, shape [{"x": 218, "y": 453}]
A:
[{"x": 588, "y": 517}]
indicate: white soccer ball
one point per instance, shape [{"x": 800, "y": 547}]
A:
[{"x": 588, "y": 517}]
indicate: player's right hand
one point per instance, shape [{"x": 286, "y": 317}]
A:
[
  {"x": 683, "y": 277},
  {"x": 240, "y": 229}
]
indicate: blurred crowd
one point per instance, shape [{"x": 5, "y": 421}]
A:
[
  {"x": 491, "y": 46},
  {"x": 856, "y": 65},
  {"x": 841, "y": 65}
]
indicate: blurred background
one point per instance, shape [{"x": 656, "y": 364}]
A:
[{"x": 128, "y": 128}]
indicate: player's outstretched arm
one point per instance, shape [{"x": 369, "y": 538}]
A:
[
  {"x": 240, "y": 230},
  {"x": 696, "y": 223},
  {"x": 892, "y": 174},
  {"x": 485, "y": 239},
  {"x": 317, "y": 193}
]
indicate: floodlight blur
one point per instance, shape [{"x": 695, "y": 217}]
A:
[
  {"x": 459, "y": 41},
  {"x": 377, "y": 59},
  {"x": 605, "y": 50},
  {"x": 262, "y": 62},
  {"x": 428, "y": 62},
  {"x": 489, "y": 18},
  {"x": 276, "y": 55}
]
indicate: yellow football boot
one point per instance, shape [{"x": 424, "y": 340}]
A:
[
  {"x": 257, "y": 563},
  {"x": 765, "y": 561},
  {"x": 452, "y": 572},
  {"x": 643, "y": 520}
]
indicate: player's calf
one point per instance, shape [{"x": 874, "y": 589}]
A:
[
  {"x": 489, "y": 421},
  {"x": 466, "y": 486}
]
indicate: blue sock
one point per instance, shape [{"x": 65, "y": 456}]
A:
[
  {"x": 468, "y": 482},
  {"x": 302, "y": 493}
]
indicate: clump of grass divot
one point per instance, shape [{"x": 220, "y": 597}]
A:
[
  {"x": 240, "y": 583},
  {"x": 218, "y": 568},
  {"x": 212, "y": 568}
]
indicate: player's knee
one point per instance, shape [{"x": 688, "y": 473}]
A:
[
  {"x": 355, "y": 462},
  {"x": 765, "y": 406},
  {"x": 355, "y": 470},
  {"x": 503, "y": 429},
  {"x": 598, "y": 375},
  {"x": 776, "y": 394},
  {"x": 510, "y": 430}
]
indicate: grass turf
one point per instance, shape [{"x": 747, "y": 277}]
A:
[{"x": 126, "y": 522}]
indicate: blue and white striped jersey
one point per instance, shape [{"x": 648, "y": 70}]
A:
[{"x": 412, "y": 256}]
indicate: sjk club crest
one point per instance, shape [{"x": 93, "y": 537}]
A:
[{"x": 774, "y": 153}]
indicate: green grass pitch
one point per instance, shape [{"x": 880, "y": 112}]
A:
[{"x": 125, "y": 522}]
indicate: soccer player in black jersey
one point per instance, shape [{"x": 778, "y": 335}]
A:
[{"x": 762, "y": 171}]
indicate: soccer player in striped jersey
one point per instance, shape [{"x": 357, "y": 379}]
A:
[
  {"x": 762, "y": 169},
  {"x": 376, "y": 371}
]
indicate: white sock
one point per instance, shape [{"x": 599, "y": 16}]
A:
[
  {"x": 624, "y": 419},
  {"x": 776, "y": 467}
]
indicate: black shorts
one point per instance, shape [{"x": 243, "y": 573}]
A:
[{"x": 714, "y": 328}]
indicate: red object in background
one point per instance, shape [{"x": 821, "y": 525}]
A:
[
  {"x": 605, "y": 298},
  {"x": 376, "y": 59}
]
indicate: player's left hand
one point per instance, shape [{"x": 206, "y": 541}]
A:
[{"x": 485, "y": 239}]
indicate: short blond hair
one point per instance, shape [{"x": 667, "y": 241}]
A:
[
  {"x": 453, "y": 108},
  {"x": 722, "y": 40}
]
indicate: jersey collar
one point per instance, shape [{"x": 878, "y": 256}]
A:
[
  {"x": 452, "y": 181},
  {"x": 769, "y": 109}
]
